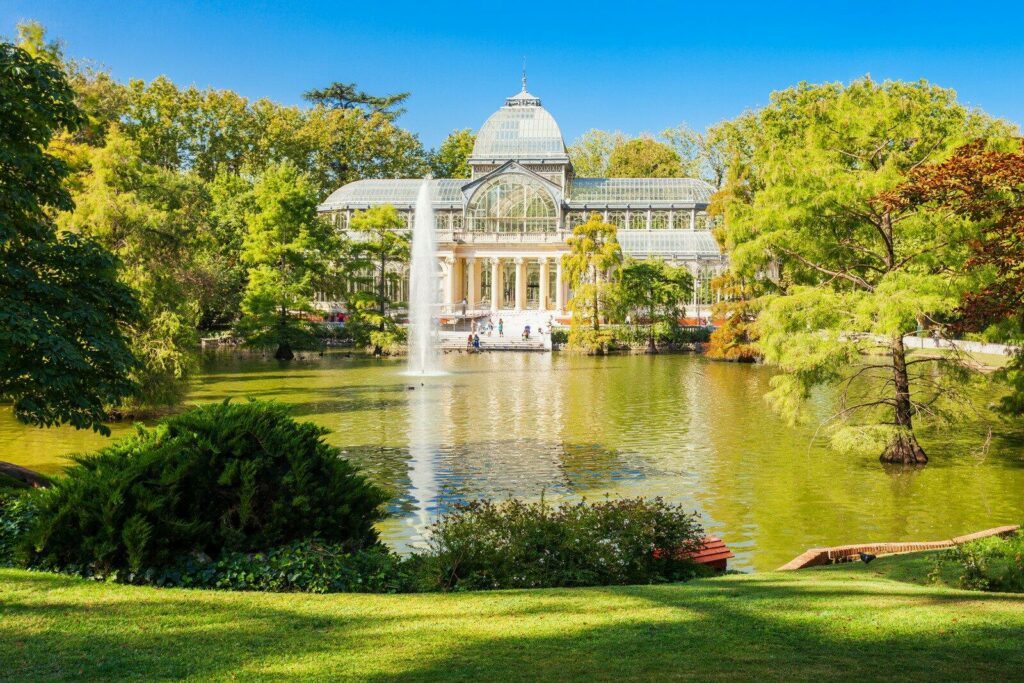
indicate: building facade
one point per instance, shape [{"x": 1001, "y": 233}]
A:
[{"x": 502, "y": 232}]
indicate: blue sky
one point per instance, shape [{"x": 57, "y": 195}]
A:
[{"x": 631, "y": 66}]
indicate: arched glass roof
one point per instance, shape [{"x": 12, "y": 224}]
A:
[
  {"x": 522, "y": 129},
  {"x": 400, "y": 192},
  {"x": 594, "y": 191},
  {"x": 512, "y": 202},
  {"x": 681, "y": 244}
]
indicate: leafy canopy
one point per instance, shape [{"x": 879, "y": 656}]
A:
[
  {"x": 451, "y": 159},
  {"x": 348, "y": 96},
  {"x": 374, "y": 259},
  {"x": 63, "y": 356},
  {"x": 287, "y": 249},
  {"x": 985, "y": 185},
  {"x": 644, "y": 157},
  {"x": 653, "y": 291},
  {"x": 591, "y": 264},
  {"x": 855, "y": 274},
  {"x": 149, "y": 217}
]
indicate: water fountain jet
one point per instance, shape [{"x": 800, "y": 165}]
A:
[{"x": 424, "y": 294}]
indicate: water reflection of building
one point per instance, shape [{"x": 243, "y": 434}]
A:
[{"x": 502, "y": 231}]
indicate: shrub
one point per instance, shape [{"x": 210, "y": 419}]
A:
[
  {"x": 666, "y": 333},
  {"x": 736, "y": 339},
  {"x": 16, "y": 513},
  {"x": 592, "y": 342},
  {"x": 308, "y": 566},
  {"x": 484, "y": 545},
  {"x": 217, "y": 478},
  {"x": 559, "y": 335},
  {"x": 989, "y": 564}
]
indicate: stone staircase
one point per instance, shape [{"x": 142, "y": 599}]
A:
[{"x": 456, "y": 342}]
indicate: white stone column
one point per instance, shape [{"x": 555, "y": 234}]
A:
[
  {"x": 545, "y": 273},
  {"x": 473, "y": 295},
  {"x": 496, "y": 284},
  {"x": 559, "y": 286},
  {"x": 520, "y": 282},
  {"x": 693, "y": 219},
  {"x": 449, "y": 289}
]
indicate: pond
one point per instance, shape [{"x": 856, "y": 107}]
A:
[{"x": 565, "y": 426}]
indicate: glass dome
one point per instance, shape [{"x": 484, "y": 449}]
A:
[
  {"x": 522, "y": 129},
  {"x": 512, "y": 203}
]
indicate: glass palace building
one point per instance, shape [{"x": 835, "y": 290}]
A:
[{"x": 501, "y": 233}]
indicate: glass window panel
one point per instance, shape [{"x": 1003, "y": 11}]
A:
[{"x": 512, "y": 203}]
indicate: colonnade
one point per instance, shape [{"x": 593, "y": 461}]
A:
[{"x": 463, "y": 278}]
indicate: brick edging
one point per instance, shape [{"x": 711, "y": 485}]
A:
[{"x": 818, "y": 556}]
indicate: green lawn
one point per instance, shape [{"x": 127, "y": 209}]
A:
[{"x": 843, "y": 622}]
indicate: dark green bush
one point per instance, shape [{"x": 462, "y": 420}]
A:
[
  {"x": 559, "y": 335},
  {"x": 16, "y": 514},
  {"x": 989, "y": 564},
  {"x": 307, "y": 566},
  {"x": 665, "y": 334},
  {"x": 484, "y": 545},
  {"x": 218, "y": 478}
]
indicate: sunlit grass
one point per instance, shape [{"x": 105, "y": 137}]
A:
[{"x": 844, "y": 622}]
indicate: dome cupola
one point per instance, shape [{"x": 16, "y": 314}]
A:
[{"x": 523, "y": 130}]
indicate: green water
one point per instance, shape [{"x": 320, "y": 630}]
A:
[{"x": 678, "y": 426}]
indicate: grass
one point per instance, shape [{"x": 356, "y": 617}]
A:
[
  {"x": 847, "y": 622},
  {"x": 986, "y": 361}
]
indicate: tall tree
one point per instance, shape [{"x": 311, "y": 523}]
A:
[
  {"x": 856, "y": 274},
  {"x": 63, "y": 355},
  {"x": 451, "y": 159},
  {"x": 218, "y": 274},
  {"x": 986, "y": 186},
  {"x": 148, "y": 216},
  {"x": 590, "y": 152},
  {"x": 348, "y": 96},
  {"x": 644, "y": 157},
  {"x": 591, "y": 264},
  {"x": 653, "y": 291},
  {"x": 288, "y": 249},
  {"x": 347, "y": 145},
  {"x": 376, "y": 254},
  {"x": 735, "y": 338}
]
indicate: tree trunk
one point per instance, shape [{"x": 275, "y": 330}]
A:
[
  {"x": 21, "y": 477},
  {"x": 651, "y": 346},
  {"x": 381, "y": 290},
  {"x": 284, "y": 349},
  {"x": 903, "y": 448}
]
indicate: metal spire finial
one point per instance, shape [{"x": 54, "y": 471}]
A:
[{"x": 524, "y": 73}]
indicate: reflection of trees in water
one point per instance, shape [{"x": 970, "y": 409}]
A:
[
  {"x": 501, "y": 469},
  {"x": 692, "y": 431}
]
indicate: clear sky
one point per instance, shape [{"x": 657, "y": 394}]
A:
[{"x": 627, "y": 65}]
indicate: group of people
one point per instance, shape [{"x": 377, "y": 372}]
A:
[{"x": 487, "y": 327}]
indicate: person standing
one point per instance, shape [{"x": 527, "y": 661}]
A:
[{"x": 501, "y": 327}]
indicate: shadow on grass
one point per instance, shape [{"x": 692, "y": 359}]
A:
[{"x": 761, "y": 627}]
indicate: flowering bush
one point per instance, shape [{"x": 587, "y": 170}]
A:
[{"x": 530, "y": 545}]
